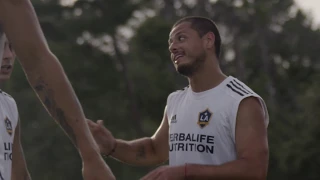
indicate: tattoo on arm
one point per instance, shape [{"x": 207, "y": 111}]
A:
[
  {"x": 141, "y": 153},
  {"x": 48, "y": 99}
]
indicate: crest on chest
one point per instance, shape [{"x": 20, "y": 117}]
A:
[
  {"x": 204, "y": 118},
  {"x": 8, "y": 125}
]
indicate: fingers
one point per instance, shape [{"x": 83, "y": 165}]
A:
[
  {"x": 91, "y": 123},
  {"x": 100, "y": 122},
  {"x": 95, "y": 126}
]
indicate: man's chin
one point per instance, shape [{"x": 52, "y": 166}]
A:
[{"x": 185, "y": 70}]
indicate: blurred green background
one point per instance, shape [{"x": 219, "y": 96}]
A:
[{"x": 115, "y": 53}]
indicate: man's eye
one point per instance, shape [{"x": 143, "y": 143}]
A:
[{"x": 181, "y": 38}]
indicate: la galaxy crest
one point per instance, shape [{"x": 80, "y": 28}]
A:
[
  {"x": 204, "y": 118},
  {"x": 8, "y": 125}
]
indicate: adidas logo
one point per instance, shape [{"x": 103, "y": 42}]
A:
[{"x": 173, "y": 119}]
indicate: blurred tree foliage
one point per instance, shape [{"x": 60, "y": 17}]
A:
[{"x": 116, "y": 56}]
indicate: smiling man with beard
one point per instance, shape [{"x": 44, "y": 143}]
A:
[{"x": 215, "y": 128}]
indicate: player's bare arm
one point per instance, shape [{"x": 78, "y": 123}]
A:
[
  {"x": 31, "y": 40},
  {"x": 141, "y": 152},
  {"x": 19, "y": 167},
  {"x": 251, "y": 145},
  {"x": 146, "y": 151},
  {"x": 47, "y": 77},
  {"x": 44, "y": 71}
]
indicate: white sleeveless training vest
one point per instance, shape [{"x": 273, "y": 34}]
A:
[
  {"x": 8, "y": 122},
  {"x": 202, "y": 125}
]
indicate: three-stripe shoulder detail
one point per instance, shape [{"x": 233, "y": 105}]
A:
[{"x": 238, "y": 88}]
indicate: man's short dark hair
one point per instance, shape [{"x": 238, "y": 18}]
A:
[{"x": 203, "y": 25}]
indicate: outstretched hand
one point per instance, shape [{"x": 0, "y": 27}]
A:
[{"x": 102, "y": 136}]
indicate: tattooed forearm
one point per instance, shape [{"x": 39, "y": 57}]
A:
[
  {"x": 141, "y": 153},
  {"x": 47, "y": 97}
]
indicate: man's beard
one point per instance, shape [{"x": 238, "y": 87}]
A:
[{"x": 188, "y": 70}]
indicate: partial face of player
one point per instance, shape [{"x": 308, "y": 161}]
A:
[
  {"x": 186, "y": 48},
  {"x": 7, "y": 61},
  {"x": 2, "y": 41}
]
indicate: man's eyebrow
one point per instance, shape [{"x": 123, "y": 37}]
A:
[{"x": 176, "y": 34}]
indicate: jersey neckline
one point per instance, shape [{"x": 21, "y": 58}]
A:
[{"x": 212, "y": 90}]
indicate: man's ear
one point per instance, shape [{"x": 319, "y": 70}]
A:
[{"x": 209, "y": 40}]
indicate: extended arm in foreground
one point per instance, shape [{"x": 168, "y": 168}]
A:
[{"x": 47, "y": 77}]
